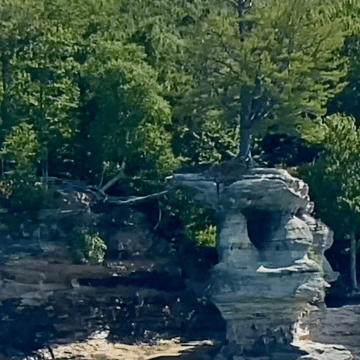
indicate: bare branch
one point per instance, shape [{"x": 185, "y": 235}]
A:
[
  {"x": 160, "y": 216},
  {"x": 230, "y": 153},
  {"x": 134, "y": 199},
  {"x": 119, "y": 176}
]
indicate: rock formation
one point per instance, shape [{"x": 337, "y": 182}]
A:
[
  {"x": 272, "y": 270},
  {"x": 268, "y": 285},
  {"x": 138, "y": 294}
]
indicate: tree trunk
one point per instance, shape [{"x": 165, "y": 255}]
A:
[
  {"x": 5, "y": 75},
  {"x": 243, "y": 7},
  {"x": 353, "y": 260},
  {"x": 245, "y": 141},
  {"x": 245, "y": 123},
  {"x": 46, "y": 172}
]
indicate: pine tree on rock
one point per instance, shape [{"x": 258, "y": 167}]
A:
[{"x": 273, "y": 77}]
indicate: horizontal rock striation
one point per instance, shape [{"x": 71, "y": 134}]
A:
[
  {"x": 271, "y": 259},
  {"x": 138, "y": 294}
]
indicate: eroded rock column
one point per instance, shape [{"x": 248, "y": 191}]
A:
[{"x": 270, "y": 270}]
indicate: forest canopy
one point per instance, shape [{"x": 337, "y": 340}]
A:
[{"x": 157, "y": 84}]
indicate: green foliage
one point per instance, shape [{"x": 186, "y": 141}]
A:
[
  {"x": 6, "y": 188},
  {"x": 21, "y": 148},
  {"x": 156, "y": 144},
  {"x": 348, "y": 101},
  {"x": 197, "y": 224},
  {"x": 334, "y": 180},
  {"x": 80, "y": 78},
  {"x": 132, "y": 112},
  {"x": 86, "y": 246},
  {"x": 206, "y": 237},
  {"x": 116, "y": 81},
  {"x": 210, "y": 141},
  {"x": 334, "y": 177},
  {"x": 272, "y": 76},
  {"x": 87, "y": 86}
]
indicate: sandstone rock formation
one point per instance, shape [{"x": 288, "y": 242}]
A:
[
  {"x": 138, "y": 294},
  {"x": 271, "y": 259},
  {"x": 337, "y": 326}
]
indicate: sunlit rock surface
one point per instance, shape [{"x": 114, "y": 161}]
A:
[
  {"x": 271, "y": 260},
  {"x": 337, "y": 326}
]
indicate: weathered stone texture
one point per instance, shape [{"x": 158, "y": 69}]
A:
[
  {"x": 138, "y": 294},
  {"x": 271, "y": 258}
]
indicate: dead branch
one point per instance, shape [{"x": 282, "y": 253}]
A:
[
  {"x": 132, "y": 200},
  {"x": 117, "y": 177}
]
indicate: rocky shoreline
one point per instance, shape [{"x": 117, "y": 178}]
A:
[{"x": 148, "y": 292}]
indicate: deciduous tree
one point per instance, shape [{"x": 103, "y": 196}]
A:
[{"x": 334, "y": 180}]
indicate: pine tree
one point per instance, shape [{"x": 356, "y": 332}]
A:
[{"x": 274, "y": 76}]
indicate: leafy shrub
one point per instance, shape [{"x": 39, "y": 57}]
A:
[
  {"x": 86, "y": 246},
  {"x": 183, "y": 215},
  {"x": 6, "y": 187},
  {"x": 206, "y": 237},
  {"x": 21, "y": 148},
  {"x": 199, "y": 223}
]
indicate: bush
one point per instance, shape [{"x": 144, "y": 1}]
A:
[
  {"x": 206, "y": 237},
  {"x": 21, "y": 148},
  {"x": 186, "y": 217},
  {"x": 86, "y": 246}
]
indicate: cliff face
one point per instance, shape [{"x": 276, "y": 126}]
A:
[
  {"x": 272, "y": 270},
  {"x": 139, "y": 294},
  {"x": 268, "y": 285}
]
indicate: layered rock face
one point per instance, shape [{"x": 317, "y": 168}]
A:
[
  {"x": 271, "y": 268},
  {"x": 138, "y": 294}
]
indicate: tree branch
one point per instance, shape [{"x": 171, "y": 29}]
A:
[
  {"x": 132, "y": 200},
  {"x": 120, "y": 175}
]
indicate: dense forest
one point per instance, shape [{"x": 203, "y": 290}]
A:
[{"x": 97, "y": 90}]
